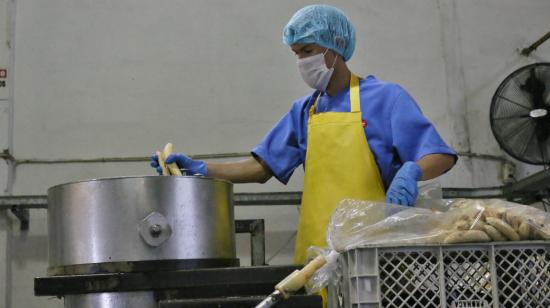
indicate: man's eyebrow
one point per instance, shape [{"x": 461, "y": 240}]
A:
[{"x": 304, "y": 47}]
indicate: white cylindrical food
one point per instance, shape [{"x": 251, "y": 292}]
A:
[
  {"x": 173, "y": 167},
  {"x": 161, "y": 158},
  {"x": 504, "y": 228},
  {"x": 469, "y": 236},
  {"x": 494, "y": 234}
]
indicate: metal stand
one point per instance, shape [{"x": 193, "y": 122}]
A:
[
  {"x": 213, "y": 287},
  {"x": 256, "y": 229}
]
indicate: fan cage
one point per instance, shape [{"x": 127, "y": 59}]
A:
[{"x": 530, "y": 150}]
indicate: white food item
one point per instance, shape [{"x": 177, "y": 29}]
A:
[
  {"x": 493, "y": 233},
  {"x": 524, "y": 230},
  {"x": 173, "y": 167},
  {"x": 469, "y": 236},
  {"x": 503, "y": 228},
  {"x": 161, "y": 158}
]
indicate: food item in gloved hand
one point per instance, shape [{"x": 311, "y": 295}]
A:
[
  {"x": 173, "y": 167},
  {"x": 493, "y": 233},
  {"x": 161, "y": 158},
  {"x": 468, "y": 236},
  {"x": 503, "y": 228}
]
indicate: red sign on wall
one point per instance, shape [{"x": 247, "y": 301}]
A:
[{"x": 3, "y": 73}]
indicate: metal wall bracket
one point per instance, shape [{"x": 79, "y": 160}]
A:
[{"x": 23, "y": 216}]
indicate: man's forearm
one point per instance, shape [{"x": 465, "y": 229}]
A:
[
  {"x": 434, "y": 165},
  {"x": 248, "y": 170}
]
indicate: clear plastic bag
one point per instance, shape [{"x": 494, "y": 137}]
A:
[
  {"x": 502, "y": 220},
  {"x": 357, "y": 223},
  {"x": 430, "y": 196},
  {"x": 330, "y": 273}
]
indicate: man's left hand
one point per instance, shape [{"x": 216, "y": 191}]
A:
[{"x": 403, "y": 189}]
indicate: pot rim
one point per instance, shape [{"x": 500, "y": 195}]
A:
[{"x": 163, "y": 178}]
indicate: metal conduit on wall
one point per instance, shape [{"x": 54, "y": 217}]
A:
[{"x": 16, "y": 161}]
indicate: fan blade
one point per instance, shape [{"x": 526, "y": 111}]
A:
[
  {"x": 515, "y": 103},
  {"x": 516, "y": 130},
  {"x": 535, "y": 88},
  {"x": 519, "y": 92},
  {"x": 522, "y": 152},
  {"x": 541, "y": 148},
  {"x": 512, "y": 117}
]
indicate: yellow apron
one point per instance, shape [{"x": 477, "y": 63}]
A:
[{"x": 339, "y": 165}]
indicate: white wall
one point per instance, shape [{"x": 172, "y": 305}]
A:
[
  {"x": 4, "y": 55},
  {"x": 102, "y": 78},
  {"x": 5, "y": 222},
  {"x": 4, "y": 94},
  {"x": 491, "y": 31}
]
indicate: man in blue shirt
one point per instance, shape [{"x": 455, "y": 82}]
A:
[{"x": 357, "y": 137}]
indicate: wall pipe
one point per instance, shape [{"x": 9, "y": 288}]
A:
[{"x": 9, "y": 157}]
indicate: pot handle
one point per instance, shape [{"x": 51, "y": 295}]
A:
[{"x": 154, "y": 229}]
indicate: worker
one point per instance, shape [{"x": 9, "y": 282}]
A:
[{"x": 359, "y": 138}]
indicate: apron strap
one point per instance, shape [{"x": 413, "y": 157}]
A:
[
  {"x": 355, "y": 105},
  {"x": 354, "y": 93},
  {"x": 314, "y": 106}
]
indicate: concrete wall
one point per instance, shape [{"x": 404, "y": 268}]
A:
[
  {"x": 4, "y": 87},
  {"x": 490, "y": 33},
  {"x": 5, "y": 223},
  {"x": 102, "y": 78}
]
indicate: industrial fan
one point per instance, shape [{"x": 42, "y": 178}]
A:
[{"x": 520, "y": 114}]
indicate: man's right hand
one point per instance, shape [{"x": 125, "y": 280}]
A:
[{"x": 190, "y": 166}]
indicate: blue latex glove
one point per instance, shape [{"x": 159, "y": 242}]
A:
[
  {"x": 403, "y": 189},
  {"x": 191, "y": 166}
]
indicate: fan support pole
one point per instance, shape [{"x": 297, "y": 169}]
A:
[{"x": 528, "y": 50}]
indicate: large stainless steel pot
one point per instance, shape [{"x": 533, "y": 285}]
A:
[
  {"x": 141, "y": 219},
  {"x": 112, "y": 300}
]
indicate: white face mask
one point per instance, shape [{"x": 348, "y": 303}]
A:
[{"x": 315, "y": 72}]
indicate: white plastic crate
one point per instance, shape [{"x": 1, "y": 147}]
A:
[{"x": 489, "y": 275}]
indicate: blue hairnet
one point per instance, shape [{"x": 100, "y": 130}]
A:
[{"x": 323, "y": 25}]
